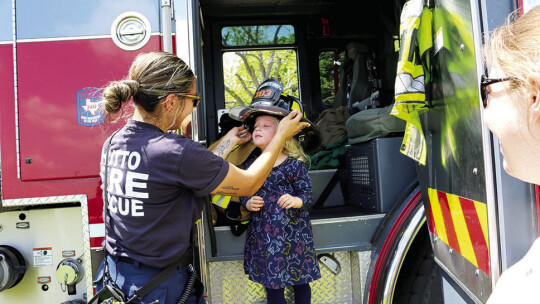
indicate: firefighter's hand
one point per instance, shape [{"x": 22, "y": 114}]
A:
[
  {"x": 288, "y": 201},
  {"x": 519, "y": 283},
  {"x": 235, "y": 136},
  {"x": 255, "y": 203},
  {"x": 238, "y": 136},
  {"x": 290, "y": 125}
]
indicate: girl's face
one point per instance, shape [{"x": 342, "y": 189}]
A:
[
  {"x": 264, "y": 130},
  {"x": 507, "y": 115}
]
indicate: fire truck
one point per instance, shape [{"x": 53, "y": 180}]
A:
[{"x": 387, "y": 229}]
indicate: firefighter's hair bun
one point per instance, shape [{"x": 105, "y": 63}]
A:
[
  {"x": 117, "y": 92},
  {"x": 152, "y": 76}
]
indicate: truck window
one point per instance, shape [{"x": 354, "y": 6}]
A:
[
  {"x": 254, "y": 53},
  {"x": 254, "y": 35},
  {"x": 243, "y": 71}
]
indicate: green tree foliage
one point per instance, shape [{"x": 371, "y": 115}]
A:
[{"x": 245, "y": 70}]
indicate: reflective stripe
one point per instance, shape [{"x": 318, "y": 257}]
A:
[
  {"x": 461, "y": 223},
  {"x": 412, "y": 9},
  {"x": 437, "y": 215},
  {"x": 481, "y": 211},
  {"x": 475, "y": 212},
  {"x": 221, "y": 200},
  {"x": 406, "y": 83},
  {"x": 97, "y": 230},
  {"x": 465, "y": 243},
  {"x": 448, "y": 222}
]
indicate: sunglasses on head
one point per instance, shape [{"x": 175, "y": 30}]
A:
[
  {"x": 486, "y": 81},
  {"x": 195, "y": 97}
]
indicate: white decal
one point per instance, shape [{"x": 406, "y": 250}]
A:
[
  {"x": 137, "y": 157},
  {"x": 92, "y": 106},
  {"x": 137, "y": 205},
  {"x": 115, "y": 179},
  {"x": 133, "y": 183},
  {"x": 43, "y": 256}
]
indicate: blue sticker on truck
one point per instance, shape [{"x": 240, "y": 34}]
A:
[{"x": 89, "y": 110}]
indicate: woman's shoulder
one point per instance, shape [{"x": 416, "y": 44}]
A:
[
  {"x": 517, "y": 284},
  {"x": 174, "y": 144}
]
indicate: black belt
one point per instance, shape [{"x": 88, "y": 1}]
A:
[{"x": 183, "y": 262}]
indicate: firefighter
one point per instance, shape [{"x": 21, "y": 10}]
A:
[
  {"x": 511, "y": 97},
  {"x": 157, "y": 180}
]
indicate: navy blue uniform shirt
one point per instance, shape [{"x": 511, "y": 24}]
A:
[{"x": 156, "y": 188}]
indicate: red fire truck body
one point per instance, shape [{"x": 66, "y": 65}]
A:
[
  {"x": 387, "y": 230},
  {"x": 53, "y": 63}
]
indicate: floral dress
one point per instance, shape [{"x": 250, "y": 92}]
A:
[{"x": 279, "y": 248}]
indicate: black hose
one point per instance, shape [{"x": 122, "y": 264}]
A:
[{"x": 189, "y": 285}]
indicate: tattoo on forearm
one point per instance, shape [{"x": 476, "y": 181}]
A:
[
  {"x": 232, "y": 191},
  {"x": 220, "y": 149},
  {"x": 226, "y": 193}
]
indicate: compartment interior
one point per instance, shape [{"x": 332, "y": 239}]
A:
[{"x": 346, "y": 55}]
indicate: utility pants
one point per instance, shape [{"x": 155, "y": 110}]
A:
[{"x": 131, "y": 276}]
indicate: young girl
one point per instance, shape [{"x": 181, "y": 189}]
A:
[{"x": 279, "y": 248}]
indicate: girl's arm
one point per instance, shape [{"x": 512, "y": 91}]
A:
[
  {"x": 253, "y": 203},
  {"x": 303, "y": 187},
  {"x": 302, "y": 195}
]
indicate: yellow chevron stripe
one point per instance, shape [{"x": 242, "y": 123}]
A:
[
  {"x": 437, "y": 215},
  {"x": 481, "y": 211},
  {"x": 462, "y": 232}
]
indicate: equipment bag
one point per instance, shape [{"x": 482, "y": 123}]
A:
[{"x": 373, "y": 123}]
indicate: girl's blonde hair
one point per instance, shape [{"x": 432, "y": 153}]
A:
[
  {"x": 293, "y": 148},
  {"x": 514, "y": 48},
  {"x": 152, "y": 77}
]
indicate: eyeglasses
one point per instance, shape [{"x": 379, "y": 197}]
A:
[
  {"x": 195, "y": 97},
  {"x": 486, "y": 82}
]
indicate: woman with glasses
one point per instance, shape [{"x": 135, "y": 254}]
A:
[
  {"x": 511, "y": 96},
  {"x": 155, "y": 182}
]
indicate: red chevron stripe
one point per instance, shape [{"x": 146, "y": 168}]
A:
[
  {"x": 477, "y": 236},
  {"x": 448, "y": 223},
  {"x": 431, "y": 221},
  {"x": 96, "y": 242}
]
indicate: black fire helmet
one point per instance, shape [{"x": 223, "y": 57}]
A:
[{"x": 269, "y": 100}]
